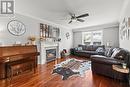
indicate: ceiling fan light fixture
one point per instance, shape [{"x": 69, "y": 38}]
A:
[{"x": 74, "y": 20}]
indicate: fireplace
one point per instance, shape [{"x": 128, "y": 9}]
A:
[
  {"x": 50, "y": 55},
  {"x": 49, "y": 52}
]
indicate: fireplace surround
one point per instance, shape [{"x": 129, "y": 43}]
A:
[{"x": 49, "y": 52}]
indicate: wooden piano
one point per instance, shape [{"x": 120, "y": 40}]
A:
[{"x": 10, "y": 54}]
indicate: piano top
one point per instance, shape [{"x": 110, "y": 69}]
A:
[{"x": 13, "y": 52}]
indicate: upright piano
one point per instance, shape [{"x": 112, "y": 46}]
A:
[{"x": 16, "y": 54}]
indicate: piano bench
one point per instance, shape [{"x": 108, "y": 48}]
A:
[{"x": 14, "y": 69}]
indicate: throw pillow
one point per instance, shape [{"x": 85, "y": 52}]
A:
[
  {"x": 115, "y": 53},
  {"x": 79, "y": 48},
  {"x": 99, "y": 49},
  {"x": 83, "y": 46},
  {"x": 120, "y": 54},
  {"x": 76, "y": 48},
  {"x": 108, "y": 52}
]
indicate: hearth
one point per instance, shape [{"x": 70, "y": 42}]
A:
[{"x": 50, "y": 55}]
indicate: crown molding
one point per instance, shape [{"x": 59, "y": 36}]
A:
[
  {"x": 97, "y": 27},
  {"x": 43, "y": 20}
]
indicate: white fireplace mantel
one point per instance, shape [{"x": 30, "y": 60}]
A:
[{"x": 47, "y": 45}]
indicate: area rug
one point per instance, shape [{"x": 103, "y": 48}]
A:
[{"x": 72, "y": 67}]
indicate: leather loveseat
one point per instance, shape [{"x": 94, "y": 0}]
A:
[
  {"x": 103, "y": 64},
  {"x": 87, "y": 51}
]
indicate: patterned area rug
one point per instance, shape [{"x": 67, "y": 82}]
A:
[{"x": 72, "y": 67}]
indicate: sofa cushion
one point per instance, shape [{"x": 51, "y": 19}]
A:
[
  {"x": 83, "y": 46},
  {"x": 115, "y": 53},
  {"x": 82, "y": 53},
  {"x": 108, "y": 52},
  {"x": 91, "y": 52},
  {"x": 114, "y": 49},
  {"x": 105, "y": 60},
  {"x": 99, "y": 49},
  {"x": 87, "y": 52},
  {"x": 89, "y": 48},
  {"x": 119, "y": 54},
  {"x": 94, "y": 47}
]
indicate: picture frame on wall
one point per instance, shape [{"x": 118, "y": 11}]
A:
[
  {"x": 121, "y": 29},
  {"x": 128, "y": 28},
  {"x": 125, "y": 29},
  {"x": 129, "y": 22}
]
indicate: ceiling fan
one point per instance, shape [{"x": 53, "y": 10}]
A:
[{"x": 77, "y": 18}]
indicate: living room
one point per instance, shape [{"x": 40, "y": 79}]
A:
[{"x": 45, "y": 43}]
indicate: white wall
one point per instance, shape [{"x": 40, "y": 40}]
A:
[
  {"x": 125, "y": 13},
  {"x": 66, "y": 43},
  {"x": 33, "y": 28},
  {"x": 110, "y": 34},
  {"x": 77, "y": 38}
]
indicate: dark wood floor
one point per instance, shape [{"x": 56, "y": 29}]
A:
[{"x": 44, "y": 78}]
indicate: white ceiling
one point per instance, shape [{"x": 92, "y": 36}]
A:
[{"x": 100, "y": 11}]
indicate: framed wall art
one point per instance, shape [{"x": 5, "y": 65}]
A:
[
  {"x": 125, "y": 29},
  {"x": 16, "y": 27}
]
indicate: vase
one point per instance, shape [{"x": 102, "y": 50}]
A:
[{"x": 32, "y": 42}]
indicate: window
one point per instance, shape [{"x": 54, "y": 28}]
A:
[{"x": 92, "y": 38}]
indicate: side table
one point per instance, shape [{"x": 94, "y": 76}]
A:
[{"x": 120, "y": 69}]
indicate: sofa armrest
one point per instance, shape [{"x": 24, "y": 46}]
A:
[
  {"x": 105, "y": 60},
  {"x": 72, "y": 51}
]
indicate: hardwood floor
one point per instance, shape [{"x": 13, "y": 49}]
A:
[{"x": 44, "y": 78}]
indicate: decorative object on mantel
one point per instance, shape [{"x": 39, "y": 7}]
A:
[
  {"x": 59, "y": 39},
  {"x": 67, "y": 35},
  {"x": 125, "y": 29},
  {"x": 16, "y": 27},
  {"x": 72, "y": 67},
  {"x": 42, "y": 38},
  {"x": 44, "y": 31},
  {"x": 48, "y": 31},
  {"x": 17, "y": 43},
  {"x": 32, "y": 40},
  {"x": 26, "y": 44}
]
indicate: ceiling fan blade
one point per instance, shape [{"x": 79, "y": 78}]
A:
[
  {"x": 81, "y": 20},
  {"x": 84, "y": 15},
  {"x": 70, "y": 22}
]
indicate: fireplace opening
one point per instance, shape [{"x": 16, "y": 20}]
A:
[{"x": 50, "y": 54}]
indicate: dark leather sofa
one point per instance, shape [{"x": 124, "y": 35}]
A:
[
  {"x": 103, "y": 64},
  {"x": 87, "y": 51}
]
